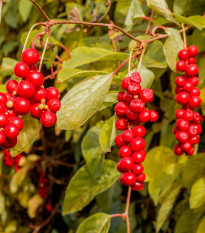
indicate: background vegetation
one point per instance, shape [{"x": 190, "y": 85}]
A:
[{"x": 75, "y": 156}]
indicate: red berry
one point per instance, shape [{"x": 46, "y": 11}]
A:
[
  {"x": 182, "y": 124},
  {"x": 121, "y": 108},
  {"x": 127, "y": 135},
  {"x": 30, "y": 56},
  {"x": 135, "y": 77},
  {"x": 21, "y": 106},
  {"x": 178, "y": 150},
  {"x": 193, "y": 50},
  {"x": 11, "y": 113},
  {"x": 153, "y": 116},
  {"x": 144, "y": 116},
  {"x": 35, "y": 111},
  {"x": 9, "y": 143},
  {"x": 48, "y": 119},
  {"x": 192, "y": 70},
  {"x": 192, "y": 60},
  {"x": 127, "y": 97},
  {"x": 2, "y": 138},
  {"x": 194, "y": 102},
  {"x": 194, "y": 80},
  {"x": 146, "y": 95},
  {"x": 41, "y": 93},
  {"x": 191, "y": 152},
  {"x": 137, "y": 105},
  {"x": 175, "y": 130},
  {"x": 137, "y": 186},
  {"x": 188, "y": 86},
  {"x": 3, "y": 119},
  {"x": 186, "y": 147},
  {"x": 141, "y": 177},
  {"x": 126, "y": 164},
  {"x": 180, "y": 113},
  {"x": 119, "y": 168},
  {"x": 120, "y": 96},
  {"x": 188, "y": 115},
  {"x": 138, "y": 156},
  {"x": 178, "y": 90},
  {"x": 26, "y": 89},
  {"x": 54, "y": 105},
  {"x": 181, "y": 66},
  {"x": 134, "y": 88},
  {"x": 11, "y": 131},
  {"x": 128, "y": 178},
  {"x": 182, "y": 98},
  {"x": 195, "y": 92},
  {"x": 183, "y": 54},
  {"x": 121, "y": 124},
  {"x": 32, "y": 68},
  {"x": 2, "y": 108},
  {"x": 194, "y": 140},
  {"x": 16, "y": 121},
  {"x": 11, "y": 86},
  {"x": 137, "y": 144},
  {"x": 21, "y": 69},
  {"x": 139, "y": 131},
  {"x": 180, "y": 81},
  {"x": 36, "y": 78},
  {"x": 198, "y": 127},
  {"x": 8, "y": 96},
  {"x": 182, "y": 136},
  {"x": 125, "y": 83},
  {"x": 137, "y": 169},
  {"x": 131, "y": 115},
  {"x": 125, "y": 151},
  {"x": 52, "y": 93},
  {"x": 3, "y": 98},
  {"x": 197, "y": 118},
  {"x": 48, "y": 207}
]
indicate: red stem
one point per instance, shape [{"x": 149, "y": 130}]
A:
[
  {"x": 155, "y": 28},
  {"x": 35, "y": 37}
]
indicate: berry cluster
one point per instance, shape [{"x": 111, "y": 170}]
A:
[
  {"x": 10, "y": 161},
  {"x": 131, "y": 111},
  {"x": 187, "y": 94},
  {"x": 26, "y": 96},
  {"x": 43, "y": 185}
]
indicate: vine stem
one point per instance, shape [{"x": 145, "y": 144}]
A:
[
  {"x": 150, "y": 23},
  {"x": 155, "y": 28},
  {"x": 184, "y": 35},
  {"x": 140, "y": 62},
  {"x": 26, "y": 41},
  {"x": 35, "y": 37},
  {"x": 129, "y": 66}
]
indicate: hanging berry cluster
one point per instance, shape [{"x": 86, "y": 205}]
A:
[
  {"x": 131, "y": 113},
  {"x": 43, "y": 184},
  {"x": 26, "y": 96},
  {"x": 10, "y": 161},
  {"x": 187, "y": 94}
]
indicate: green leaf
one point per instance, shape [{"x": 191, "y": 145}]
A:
[
  {"x": 81, "y": 189},
  {"x": 82, "y": 101},
  {"x": 97, "y": 223},
  {"x": 33, "y": 204},
  {"x": 134, "y": 12},
  {"x": 172, "y": 45},
  {"x": 198, "y": 38},
  {"x": 66, "y": 74},
  {"x": 197, "y": 21},
  {"x": 167, "y": 206},
  {"x": 147, "y": 77},
  {"x": 181, "y": 7},
  {"x": 27, "y": 135},
  {"x": 25, "y": 9},
  {"x": 161, "y": 7},
  {"x": 108, "y": 134},
  {"x": 201, "y": 227},
  {"x": 155, "y": 56},
  {"x": 7, "y": 66},
  {"x": 2, "y": 88},
  {"x": 197, "y": 197},
  {"x": 92, "y": 152},
  {"x": 110, "y": 99},
  {"x": 86, "y": 55}
]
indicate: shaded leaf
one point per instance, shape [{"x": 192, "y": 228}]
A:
[
  {"x": 97, "y": 223},
  {"x": 201, "y": 227},
  {"x": 110, "y": 99},
  {"x": 197, "y": 197},
  {"x": 197, "y": 21},
  {"x": 33, "y": 204},
  {"x": 25, "y": 9}
]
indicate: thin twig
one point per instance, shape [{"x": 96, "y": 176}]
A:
[
  {"x": 41, "y": 10},
  {"x": 150, "y": 23},
  {"x": 127, "y": 209}
]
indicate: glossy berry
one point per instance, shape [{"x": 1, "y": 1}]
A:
[
  {"x": 134, "y": 88},
  {"x": 40, "y": 94},
  {"x": 121, "y": 108},
  {"x": 137, "y": 144},
  {"x": 194, "y": 80},
  {"x": 146, "y": 95},
  {"x": 178, "y": 89},
  {"x": 188, "y": 115},
  {"x": 21, "y": 69},
  {"x": 193, "y": 50},
  {"x": 188, "y": 86},
  {"x": 195, "y": 92},
  {"x": 182, "y": 98},
  {"x": 137, "y": 186},
  {"x": 121, "y": 124},
  {"x": 191, "y": 152},
  {"x": 182, "y": 124},
  {"x": 194, "y": 102},
  {"x": 3, "y": 98},
  {"x": 127, "y": 135},
  {"x": 153, "y": 116},
  {"x": 16, "y": 121},
  {"x": 48, "y": 119},
  {"x": 128, "y": 178},
  {"x": 11, "y": 131},
  {"x": 2, "y": 138},
  {"x": 186, "y": 147},
  {"x": 126, "y": 164},
  {"x": 141, "y": 177},
  {"x": 26, "y": 89},
  {"x": 144, "y": 116},
  {"x": 194, "y": 140},
  {"x": 52, "y": 93},
  {"x": 198, "y": 127},
  {"x": 138, "y": 157},
  {"x": 9, "y": 143},
  {"x": 21, "y": 105},
  {"x": 35, "y": 111},
  {"x": 54, "y": 105},
  {"x": 11, "y": 86},
  {"x": 127, "y": 97},
  {"x": 183, "y": 54},
  {"x": 131, "y": 115},
  {"x": 137, "y": 105},
  {"x": 180, "y": 113},
  {"x": 125, "y": 151},
  {"x": 178, "y": 150},
  {"x": 192, "y": 60},
  {"x": 182, "y": 136},
  {"x": 135, "y": 77},
  {"x": 120, "y": 96},
  {"x": 11, "y": 113},
  {"x": 180, "y": 81},
  {"x": 137, "y": 169},
  {"x": 30, "y": 56},
  {"x": 197, "y": 118},
  {"x": 36, "y": 78},
  {"x": 192, "y": 70},
  {"x": 181, "y": 66},
  {"x": 2, "y": 108},
  {"x": 126, "y": 83},
  {"x": 3, "y": 119},
  {"x": 139, "y": 131}
]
